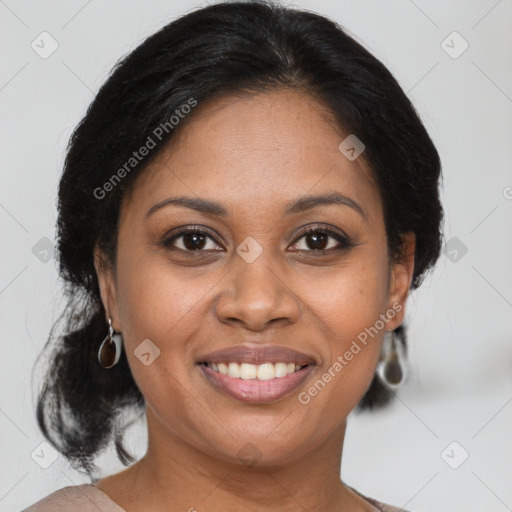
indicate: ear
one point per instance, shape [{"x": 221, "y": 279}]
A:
[
  {"x": 400, "y": 281},
  {"x": 106, "y": 282}
]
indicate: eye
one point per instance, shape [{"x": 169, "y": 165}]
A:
[
  {"x": 317, "y": 237},
  {"x": 191, "y": 240}
]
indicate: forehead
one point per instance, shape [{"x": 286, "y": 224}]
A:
[{"x": 256, "y": 151}]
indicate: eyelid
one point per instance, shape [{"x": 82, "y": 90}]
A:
[
  {"x": 183, "y": 230},
  {"x": 327, "y": 228}
]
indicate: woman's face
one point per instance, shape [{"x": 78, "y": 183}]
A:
[{"x": 254, "y": 278}]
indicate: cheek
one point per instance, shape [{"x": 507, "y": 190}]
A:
[
  {"x": 155, "y": 301},
  {"x": 351, "y": 306},
  {"x": 156, "y": 304},
  {"x": 351, "y": 298}
]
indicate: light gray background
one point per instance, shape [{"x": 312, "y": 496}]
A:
[{"x": 460, "y": 381}]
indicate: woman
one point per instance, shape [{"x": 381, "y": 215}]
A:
[{"x": 243, "y": 211}]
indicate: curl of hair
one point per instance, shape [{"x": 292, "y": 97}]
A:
[{"x": 220, "y": 50}]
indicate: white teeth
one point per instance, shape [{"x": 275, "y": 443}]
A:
[
  {"x": 234, "y": 370},
  {"x": 281, "y": 369},
  {"x": 246, "y": 371},
  {"x": 266, "y": 371}
]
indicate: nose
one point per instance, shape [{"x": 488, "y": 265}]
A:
[{"x": 256, "y": 295}]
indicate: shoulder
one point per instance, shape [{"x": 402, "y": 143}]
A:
[
  {"x": 85, "y": 498},
  {"x": 382, "y": 507}
]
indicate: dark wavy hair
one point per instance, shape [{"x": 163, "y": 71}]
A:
[{"x": 219, "y": 50}]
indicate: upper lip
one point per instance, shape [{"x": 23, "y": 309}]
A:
[{"x": 256, "y": 354}]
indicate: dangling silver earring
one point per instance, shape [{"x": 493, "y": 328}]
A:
[
  {"x": 391, "y": 368},
  {"x": 110, "y": 348}
]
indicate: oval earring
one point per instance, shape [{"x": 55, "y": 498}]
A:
[
  {"x": 392, "y": 366},
  {"x": 110, "y": 348}
]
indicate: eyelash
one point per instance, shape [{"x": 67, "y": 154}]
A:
[{"x": 344, "y": 241}]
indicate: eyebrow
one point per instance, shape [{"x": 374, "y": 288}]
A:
[{"x": 302, "y": 204}]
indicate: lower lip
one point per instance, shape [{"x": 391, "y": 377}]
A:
[{"x": 254, "y": 390}]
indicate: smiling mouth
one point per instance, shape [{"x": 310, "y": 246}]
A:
[
  {"x": 256, "y": 384},
  {"x": 247, "y": 371}
]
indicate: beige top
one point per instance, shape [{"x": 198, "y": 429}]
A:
[{"x": 87, "y": 498}]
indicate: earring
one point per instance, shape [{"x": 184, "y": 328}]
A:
[
  {"x": 392, "y": 365},
  {"x": 110, "y": 348}
]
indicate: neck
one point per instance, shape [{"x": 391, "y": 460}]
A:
[{"x": 174, "y": 476}]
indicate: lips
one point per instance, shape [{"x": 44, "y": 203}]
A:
[
  {"x": 257, "y": 391},
  {"x": 257, "y": 354}
]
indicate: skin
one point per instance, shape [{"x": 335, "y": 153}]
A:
[{"x": 253, "y": 155}]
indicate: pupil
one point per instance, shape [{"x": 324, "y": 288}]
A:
[
  {"x": 315, "y": 237},
  {"x": 194, "y": 236}
]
